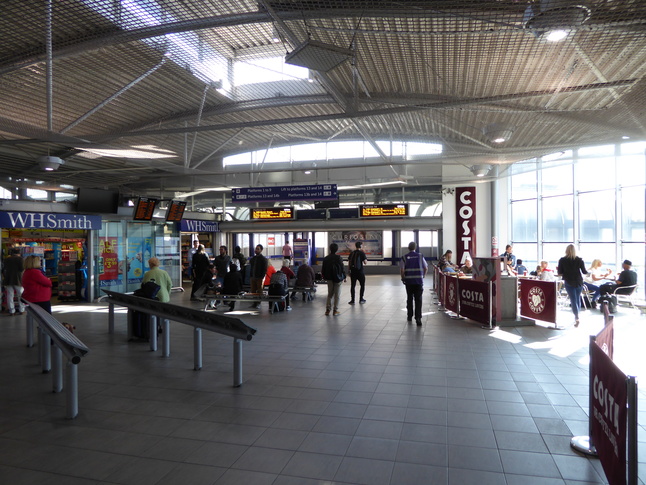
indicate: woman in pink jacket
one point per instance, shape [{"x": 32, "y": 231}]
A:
[{"x": 37, "y": 286}]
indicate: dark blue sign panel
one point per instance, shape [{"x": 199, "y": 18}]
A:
[
  {"x": 49, "y": 220},
  {"x": 193, "y": 225},
  {"x": 285, "y": 194}
]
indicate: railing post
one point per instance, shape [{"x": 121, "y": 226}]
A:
[
  {"x": 110, "y": 317},
  {"x": 57, "y": 367},
  {"x": 237, "y": 362},
  {"x": 165, "y": 337},
  {"x": 152, "y": 332},
  {"x": 45, "y": 343},
  {"x": 632, "y": 457},
  {"x": 197, "y": 348},
  {"x": 30, "y": 330},
  {"x": 72, "y": 390}
]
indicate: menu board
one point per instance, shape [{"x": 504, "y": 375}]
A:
[
  {"x": 175, "y": 210},
  {"x": 145, "y": 208},
  {"x": 384, "y": 210},
  {"x": 277, "y": 213}
]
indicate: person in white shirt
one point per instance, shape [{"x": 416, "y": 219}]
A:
[{"x": 592, "y": 280}]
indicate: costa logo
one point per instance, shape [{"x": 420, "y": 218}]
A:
[
  {"x": 452, "y": 296},
  {"x": 536, "y": 299},
  {"x": 471, "y": 295},
  {"x": 465, "y": 223}
]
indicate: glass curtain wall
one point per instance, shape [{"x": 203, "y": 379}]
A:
[{"x": 592, "y": 196}]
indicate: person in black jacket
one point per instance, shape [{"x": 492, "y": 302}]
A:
[
  {"x": 356, "y": 262},
  {"x": 12, "y": 280},
  {"x": 200, "y": 266},
  {"x": 242, "y": 260},
  {"x": 232, "y": 283},
  {"x": 258, "y": 271},
  {"x": 572, "y": 269},
  {"x": 334, "y": 273}
]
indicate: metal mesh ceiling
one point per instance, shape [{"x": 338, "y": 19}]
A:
[{"x": 164, "y": 74}]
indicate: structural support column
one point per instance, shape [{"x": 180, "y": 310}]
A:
[{"x": 495, "y": 223}]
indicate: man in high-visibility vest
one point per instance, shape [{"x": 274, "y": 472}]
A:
[{"x": 413, "y": 269}]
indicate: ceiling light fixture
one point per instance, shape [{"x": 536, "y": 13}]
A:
[
  {"x": 481, "y": 170},
  {"x": 275, "y": 36},
  {"x": 553, "y": 20},
  {"x": 498, "y": 132},
  {"x": 318, "y": 56},
  {"x": 49, "y": 163}
]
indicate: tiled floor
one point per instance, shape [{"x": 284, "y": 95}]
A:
[{"x": 361, "y": 398}]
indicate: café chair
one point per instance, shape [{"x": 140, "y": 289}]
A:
[{"x": 625, "y": 294}]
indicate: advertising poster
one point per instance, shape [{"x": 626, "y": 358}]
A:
[
  {"x": 609, "y": 414},
  {"x": 139, "y": 251},
  {"x": 372, "y": 242},
  {"x": 109, "y": 262}
]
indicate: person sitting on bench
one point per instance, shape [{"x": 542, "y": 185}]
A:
[
  {"x": 279, "y": 286},
  {"x": 304, "y": 278},
  {"x": 232, "y": 284}
]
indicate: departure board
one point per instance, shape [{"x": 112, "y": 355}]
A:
[
  {"x": 145, "y": 208},
  {"x": 175, "y": 210},
  {"x": 272, "y": 213},
  {"x": 384, "y": 210}
]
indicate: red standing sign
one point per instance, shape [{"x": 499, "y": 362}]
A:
[
  {"x": 538, "y": 300},
  {"x": 475, "y": 300},
  {"x": 451, "y": 294},
  {"x": 609, "y": 413}
]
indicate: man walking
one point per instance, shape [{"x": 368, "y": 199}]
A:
[
  {"x": 334, "y": 273},
  {"x": 356, "y": 262},
  {"x": 287, "y": 251},
  {"x": 258, "y": 271},
  {"x": 222, "y": 262},
  {"x": 12, "y": 280},
  {"x": 413, "y": 269}
]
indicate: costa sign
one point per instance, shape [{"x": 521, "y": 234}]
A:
[
  {"x": 608, "y": 414},
  {"x": 465, "y": 223},
  {"x": 538, "y": 300}
]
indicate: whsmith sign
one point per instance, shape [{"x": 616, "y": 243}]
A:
[
  {"x": 49, "y": 220},
  {"x": 194, "y": 225}
]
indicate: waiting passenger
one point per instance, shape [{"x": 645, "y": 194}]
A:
[
  {"x": 304, "y": 277},
  {"x": 232, "y": 284},
  {"x": 279, "y": 286}
]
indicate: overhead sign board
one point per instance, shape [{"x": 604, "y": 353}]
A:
[
  {"x": 285, "y": 194},
  {"x": 272, "y": 213},
  {"x": 384, "y": 210}
]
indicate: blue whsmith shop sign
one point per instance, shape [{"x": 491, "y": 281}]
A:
[{"x": 49, "y": 220}]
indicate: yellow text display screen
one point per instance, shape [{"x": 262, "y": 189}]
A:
[{"x": 384, "y": 210}]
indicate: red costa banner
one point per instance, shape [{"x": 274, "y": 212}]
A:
[
  {"x": 538, "y": 300},
  {"x": 451, "y": 294},
  {"x": 441, "y": 285},
  {"x": 606, "y": 338},
  {"x": 465, "y": 214},
  {"x": 475, "y": 300},
  {"x": 609, "y": 401}
]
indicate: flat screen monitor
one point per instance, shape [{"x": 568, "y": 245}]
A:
[
  {"x": 144, "y": 208},
  {"x": 97, "y": 200},
  {"x": 175, "y": 210}
]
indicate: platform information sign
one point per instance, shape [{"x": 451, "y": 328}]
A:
[{"x": 285, "y": 194}]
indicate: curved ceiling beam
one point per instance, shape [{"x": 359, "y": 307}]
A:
[
  {"x": 117, "y": 36},
  {"x": 369, "y": 113}
]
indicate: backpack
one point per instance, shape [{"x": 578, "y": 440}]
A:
[
  {"x": 610, "y": 300},
  {"x": 352, "y": 260},
  {"x": 148, "y": 290}
]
